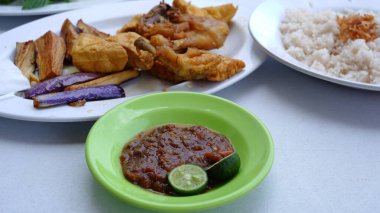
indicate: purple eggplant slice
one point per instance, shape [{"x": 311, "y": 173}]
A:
[
  {"x": 58, "y": 83},
  {"x": 88, "y": 94}
]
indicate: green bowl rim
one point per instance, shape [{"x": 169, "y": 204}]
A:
[{"x": 188, "y": 207}]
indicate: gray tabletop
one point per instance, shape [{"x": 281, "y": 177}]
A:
[{"x": 327, "y": 145}]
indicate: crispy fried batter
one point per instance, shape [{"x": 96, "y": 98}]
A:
[
  {"x": 357, "y": 27},
  {"x": 139, "y": 59},
  {"x": 206, "y": 33},
  {"x": 193, "y": 64},
  {"x": 186, "y": 30},
  {"x": 188, "y": 8},
  {"x": 94, "y": 54},
  {"x": 222, "y": 13},
  {"x": 227, "y": 68},
  {"x": 157, "y": 21},
  {"x": 160, "y": 71},
  {"x": 131, "y": 25}
]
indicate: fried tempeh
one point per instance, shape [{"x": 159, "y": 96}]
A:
[
  {"x": 137, "y": 58},
  {"x": 85, "y": 28},
  {"x": 51, "y": 51},
  {"x": 115, "y": 78},
  {"x": 25, "y": 60},
  {"x": 69, "y": 34}
]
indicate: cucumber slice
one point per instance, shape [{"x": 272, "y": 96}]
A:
[
  {"x": 225, "y": 169},
  {"x": 188, "y": 179}
]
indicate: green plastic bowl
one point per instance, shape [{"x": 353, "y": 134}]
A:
[{"x": 112, "y": 131}]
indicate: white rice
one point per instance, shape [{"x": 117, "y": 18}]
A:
[{"x": 311, "y": 37}]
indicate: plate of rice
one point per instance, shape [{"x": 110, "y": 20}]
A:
[{"x": 337, "y": 41}]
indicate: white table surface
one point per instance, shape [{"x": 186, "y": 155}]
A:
[{"x": 327, "y": 150}]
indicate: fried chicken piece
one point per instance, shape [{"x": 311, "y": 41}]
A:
[
  {"x": 85, "y": 28},
  {"x": 25, "y": 60},
  {"x": 160, "y": 71},
  {"x": 193, "y": 64},
  {"x": 157, "y": 21},
  {"x": 131, "y": 25},
  {"x": 185, "y": 30},
  {"x": 69, "y": 34},
  {"x": 188, "y": 8},
  {"x": 222, "y": 13},
  {"x": 206, "y": 33},
  {"x": 227, "y": 68},
  {"x": 137, "y": 58},
  {"x": 51, "y": 51},
  {"x": 93, "y": 54}
]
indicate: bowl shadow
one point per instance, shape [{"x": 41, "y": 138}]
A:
[{"x": 252, "y": 202}]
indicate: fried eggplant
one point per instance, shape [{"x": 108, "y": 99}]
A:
[
  {"x": 25, "y": 60},
  {"x": 51, "y": 51}
]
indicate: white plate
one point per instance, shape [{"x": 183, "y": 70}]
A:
[
  {"x": 109, "y": 18},
  {"x": 15, "y": 8},
  {"x": 264, "y": 27}
]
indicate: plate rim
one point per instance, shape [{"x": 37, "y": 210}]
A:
[{"x": 44, "y": 11}]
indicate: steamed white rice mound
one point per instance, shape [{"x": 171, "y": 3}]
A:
[{"x": 312, "y": 38}]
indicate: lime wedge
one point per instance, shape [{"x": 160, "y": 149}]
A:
[
  {"x": 225, "y": 169},
  {"x": 188, "y": 179}
]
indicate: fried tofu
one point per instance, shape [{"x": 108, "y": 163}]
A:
[{"x": 93, "y": 54}]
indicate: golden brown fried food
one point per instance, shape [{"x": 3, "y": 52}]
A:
[
  {"x": 139, "y": 59},
  {"x": 188, "y": 8},
  {"x": 227, "y": 68},
  {"x": 193, "y": 64},
  {"x": 69, "y": 34},
  {"x": 85, "y": 28},
  {"x": 94, "y": 54},
  {"x": 51, "y": 51},
  {"x": 114, "y": 78},
  {"x": 186, "y": 30},
  {"x": 206, "y": 33},
  {"x": 222, "y": 13},
  {"x": 131, "y": 25},
  {"x": 157, "y": 21},
  {"x": 160, "y": 71},
  {"x": 25, "y": 60}
]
